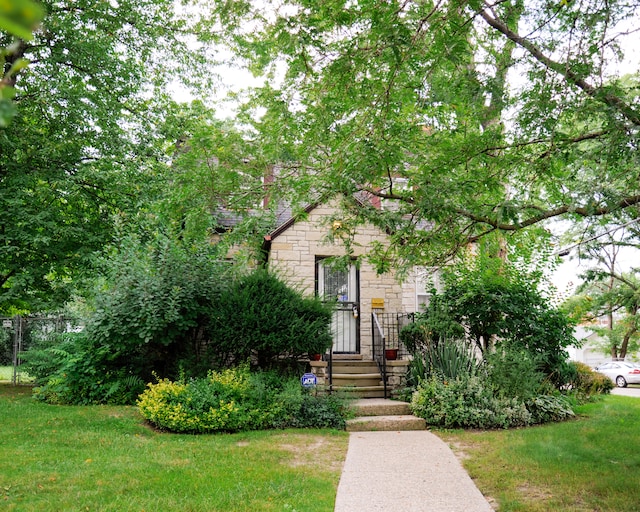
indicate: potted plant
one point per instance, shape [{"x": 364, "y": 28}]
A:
[
  {"x": 391, "y": 354},
  {"x": 316, "y": 357}
]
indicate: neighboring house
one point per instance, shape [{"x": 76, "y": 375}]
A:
[
  {"x": 589, "y": 349},
  {"x": 298, "y": 251}
]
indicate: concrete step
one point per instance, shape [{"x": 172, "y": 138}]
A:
[
  {"x": 357, "y": 379},
  {"x": 347, "y": 357},
  {"x": 358, "y": 392},
  {"x": 359, "y": 367},
  {"x": 380, "y": 407},
  {"x": 385, "y": 423}
]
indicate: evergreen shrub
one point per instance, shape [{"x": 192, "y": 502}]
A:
[{"x": 263, "y": 319}]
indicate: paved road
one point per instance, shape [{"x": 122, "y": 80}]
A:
[{"x": 633, "y": 390}]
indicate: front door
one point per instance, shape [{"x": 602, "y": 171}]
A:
[{"x": 341, "y": 287}]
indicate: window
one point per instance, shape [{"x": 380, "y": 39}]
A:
[{"x": 427, "y": 279}]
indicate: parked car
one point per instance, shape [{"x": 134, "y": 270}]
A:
[{"x": 620, "y": 372}]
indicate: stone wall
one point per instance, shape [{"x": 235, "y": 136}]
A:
[{"x": 294, "y": 253}]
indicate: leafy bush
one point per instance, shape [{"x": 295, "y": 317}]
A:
[
  {"x": 66, "y": 371},
  {"x": 151, "y": 313},
  {"x": 260, "y": 317},
  {"x": 514, "y": 373},
  {"x": 416, "y": 336},
  {"x": 237, "y": 400},
  {"x": 499, "y": 307},
  {"x": 168, "y": 309},
  {"x": 587, "y": 382},
  {"x": 466, "y": 403},
  {"x": 548, "y": 408}
]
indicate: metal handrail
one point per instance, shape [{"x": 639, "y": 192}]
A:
[{"x": 379, "y": 357}]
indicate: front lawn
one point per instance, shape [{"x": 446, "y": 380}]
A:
[
  {"x": 105, "y": 458},
  {"x": 592, "y": 463},
  {"x": 6, "y": 375}
]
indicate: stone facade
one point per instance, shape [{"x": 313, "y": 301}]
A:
[{"x": 296, "y": 248}]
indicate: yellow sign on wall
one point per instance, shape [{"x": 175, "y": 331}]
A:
[{"x": 377, "y": 303}]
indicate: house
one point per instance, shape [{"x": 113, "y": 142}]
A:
[
  {"x": 589, "y": 349},
  {"x": 370, "y": 308}
]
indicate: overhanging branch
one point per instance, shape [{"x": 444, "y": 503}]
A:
[{"x": 594, "y": 92}]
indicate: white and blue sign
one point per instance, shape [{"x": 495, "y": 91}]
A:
[{"x": 309, "y": 380}]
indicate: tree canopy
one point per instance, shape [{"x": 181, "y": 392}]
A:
[
  {"x": 463, "y": 118},
  {"x": 83, "y": 153}
]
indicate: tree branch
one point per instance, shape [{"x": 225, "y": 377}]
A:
[
  {"x": 549, "y": 214},
  {"x": 594, "y": 92}
]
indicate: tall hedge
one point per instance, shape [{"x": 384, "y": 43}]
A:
[{"x": 261, "y": 318}]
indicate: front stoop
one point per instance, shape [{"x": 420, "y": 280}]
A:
[
  {"x": 383, "y": 415},
  {"x": 357, "y": 377}
]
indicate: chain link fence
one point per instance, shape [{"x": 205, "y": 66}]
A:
[{"x": 19, "y": 333}]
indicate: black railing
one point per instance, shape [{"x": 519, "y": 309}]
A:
[
  {"x": 391, "y": 324},
  {"x": 378, "y": 348}
]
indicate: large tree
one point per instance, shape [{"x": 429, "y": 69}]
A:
[
  {"x": 82, "y": 150},
  {"x": 465, "y": 118}
]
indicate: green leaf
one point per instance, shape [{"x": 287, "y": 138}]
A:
[{"x": 7, "y": 112}]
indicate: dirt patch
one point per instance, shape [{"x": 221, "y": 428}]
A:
[
  {"x": 314, "y": 451},
  {"x": 460, "y": 449},
  {"x": 532, "y": 493}
]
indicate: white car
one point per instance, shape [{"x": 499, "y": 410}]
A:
[{"x": 620, "y": 372}]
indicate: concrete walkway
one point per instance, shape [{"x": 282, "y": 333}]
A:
[{"x": 411, "y": 471}]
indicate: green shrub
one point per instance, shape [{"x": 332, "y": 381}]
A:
[
  {"x": 67, "y": 370},
  {"x": 587, "y": 382},
  {"x": 514, "y": 373},
  {"x": 466, "y": 403},
  {"x": 416, "y": 336},
  {"x": 499, "y": 306},
  {"x": 236, "y": 400},
  {"x": 152, "y": 310},
  {"x": 260, "y": 318},
  {"x": 548, "y": 408}
]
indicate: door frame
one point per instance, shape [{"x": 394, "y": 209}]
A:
[{"x": 349, "y": 305}]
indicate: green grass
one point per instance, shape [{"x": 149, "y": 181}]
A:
[
  {"x": 6, "y": 373},
  {"x": 591, "y": 463},
  {"x": 105, "y": 458}
]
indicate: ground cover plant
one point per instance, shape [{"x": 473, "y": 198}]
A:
[
  {"x": 590, "y": 463},
  {"x": 237, "y": 399},
  {"x": 105, "y": 458}
]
